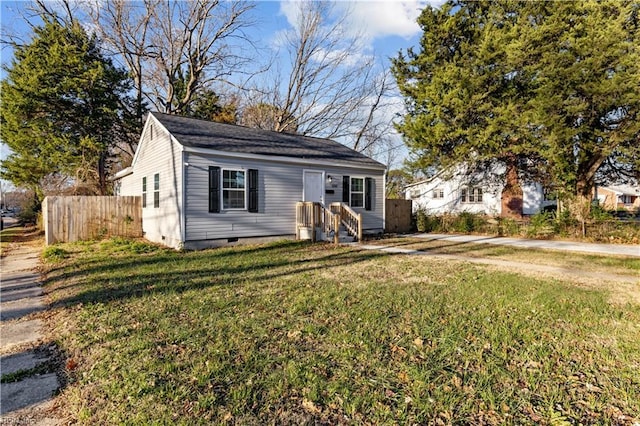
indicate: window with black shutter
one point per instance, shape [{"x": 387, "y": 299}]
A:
[
  {"x": 253, "y": 191},
  {"x": 368, "y": 193},
  {"x": 214, "y": 189},
  {"x": 346, "y": 189}
]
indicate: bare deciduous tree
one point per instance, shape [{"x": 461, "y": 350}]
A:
[
  {"x": 174, "y": 49},
  {"x": 329, "y": 89}
]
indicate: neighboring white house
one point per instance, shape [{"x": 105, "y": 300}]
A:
[
  {"x": 206, "y": 184},
  {"x": 473, "y": 194}
]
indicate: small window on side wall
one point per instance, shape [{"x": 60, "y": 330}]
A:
[
  {"x": 156, "y": 190},
  {"x": 144, "y": 192}
]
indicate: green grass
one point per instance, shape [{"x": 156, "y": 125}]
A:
[{"x": 292, "y": 333}]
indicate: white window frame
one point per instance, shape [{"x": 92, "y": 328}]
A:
[
  {"x": 156, "y": 190},
  {"x": 223, "y": 189},
  {"x": 471, "y": 195},
  {"x": 437, "y": 194},
  {"x": 351, "y": 192},
  {"x": 144, "y": 191}
]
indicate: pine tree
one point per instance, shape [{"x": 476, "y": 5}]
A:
[
  {"x": 552, "y": 89},
  {"x": 62, "y": 109},
  {"x": 585, "y": 57}
]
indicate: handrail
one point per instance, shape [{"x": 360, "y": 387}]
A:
[
  {"x": 349, "y": 218},
  {"x": 315, "y": 215}
]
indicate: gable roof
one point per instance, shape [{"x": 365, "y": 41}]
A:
[{"x": 195, "y": 133}]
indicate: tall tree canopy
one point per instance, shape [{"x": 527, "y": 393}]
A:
[
  {"x": 325, "y": 89},
  {"x": 175, "y": 50},
  {"x": 550, "y": 88},
  {"x": 61, "y": 110}
]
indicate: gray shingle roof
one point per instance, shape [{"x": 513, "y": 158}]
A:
[{"x": 192, "y": 132}]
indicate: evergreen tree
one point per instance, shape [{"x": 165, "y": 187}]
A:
[
  {"x": 551, "y": 89},
  {"x": 61, "y": 109},
  {"x": 585, "y": 60}
]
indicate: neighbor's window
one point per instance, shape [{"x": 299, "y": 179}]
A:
[
  {"x": 626, "y": 199},
  {"x": 144, "y": 191},
  {"x": 233, "y": 189},
  {"x": 471, "y": 195},
  {"x": 357, "y": 192},
  {"x": 438, "y": 193},
  {"x": 156, "y": 190}
]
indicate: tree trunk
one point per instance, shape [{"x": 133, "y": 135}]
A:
[{"x": 512, "y": 193}]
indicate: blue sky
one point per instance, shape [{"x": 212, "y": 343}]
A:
[{"x": 386, "y": 26}]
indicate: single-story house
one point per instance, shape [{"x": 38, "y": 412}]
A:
[
  {"x": 618, "y": 197},
  {"x": 206, "y": 184},
  {"x": 477, "y": 193}
]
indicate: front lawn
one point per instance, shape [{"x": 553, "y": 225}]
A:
[{"x": 292, "y": 333}]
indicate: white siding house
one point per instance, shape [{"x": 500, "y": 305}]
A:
[
  {"x": 473, "y": 194},
  {"x": 208, "y": 184}
]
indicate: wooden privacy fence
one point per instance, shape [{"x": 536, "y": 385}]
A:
[
  {"x": 397, "y": 216},
  {"x": 77, "y": 218}
]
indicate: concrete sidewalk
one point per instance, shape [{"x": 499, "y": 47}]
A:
[
  {"x": 25, "y": 354},
  {"x": 605, "y": 249}
]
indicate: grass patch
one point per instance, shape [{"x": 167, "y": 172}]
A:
[
  {"x": 54, "y": 254},
  {"x": 292, "y": 333}
]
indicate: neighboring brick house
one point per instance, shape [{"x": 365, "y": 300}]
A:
[{"x": 618, "y": 197}]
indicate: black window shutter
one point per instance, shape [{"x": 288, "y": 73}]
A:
[
  {"x": 214, "y": 189},
  {"x": 253, "y": 191},
  {"x": 368, "y": 193},
  {"x": 346, "y": 188}
]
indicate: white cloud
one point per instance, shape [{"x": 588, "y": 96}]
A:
[
  {"x": 373, "y": 19},
  {"x": 382, "y": 18}
]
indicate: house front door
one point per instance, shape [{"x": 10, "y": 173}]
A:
[{"x": 313, "y": 186}]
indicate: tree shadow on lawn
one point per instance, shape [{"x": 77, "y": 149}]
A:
[
  {"x": 138, "y": 284},
  {"x": 109, "y": 264},
  {"x": 443, "y": 247}
]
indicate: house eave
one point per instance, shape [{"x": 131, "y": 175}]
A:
[
  {"x": 122, "y": 173},
  {"x": 282, "y": 159}
]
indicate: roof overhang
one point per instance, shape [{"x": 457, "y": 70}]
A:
[
  {"x": 122, "y": 173},
  {"x": 283, "y": 159}
]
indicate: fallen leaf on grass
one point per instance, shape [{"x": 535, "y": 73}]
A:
[{"x": 310, "y": 406}]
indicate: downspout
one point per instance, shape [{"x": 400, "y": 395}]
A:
[
  {"x": 183, "y": 216},
  {"x": 384, "y": 201}
]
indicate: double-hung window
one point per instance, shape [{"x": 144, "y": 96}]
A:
[
  {"x": 471, "y": 195},
  {"x": 156, "y": 190},
  {"x": 357, "y": 192},
  {"x": 438, "y": 193},
  {"x": 144, "y": 191},
  {"x": 233, "y": 189}
]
